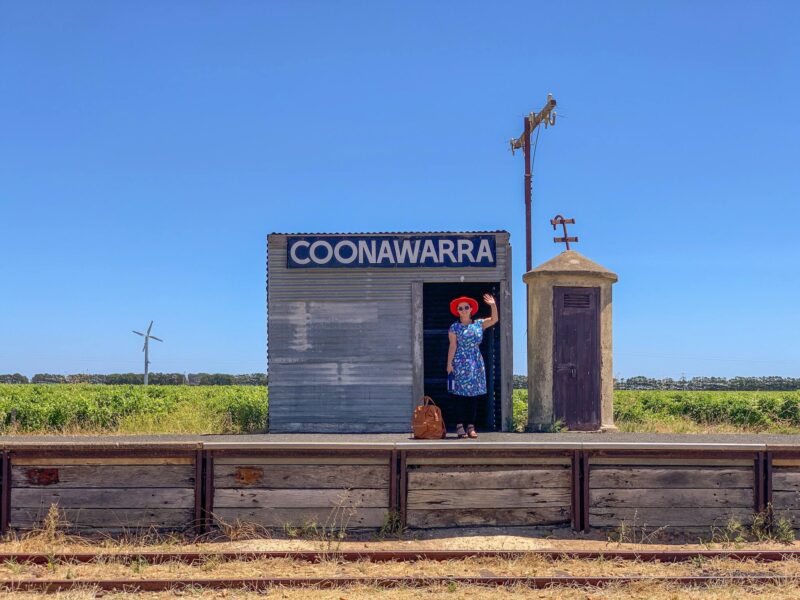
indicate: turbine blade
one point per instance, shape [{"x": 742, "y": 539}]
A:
[
  {"x": 152, "y": 337},
  {"x": 149, "y": 328},
  {"x": 137, "y": 333}
]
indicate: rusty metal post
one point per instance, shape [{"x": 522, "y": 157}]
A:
[
  {"x": 526, "y": 147},
  {"x": 208, "y": 490},
  {"x": 767, "y": 478},
  {"x": 393, "y": 483},
  {"x": 575, "y": 503},
  {"x": 403, "y": 488},
  {"x": 585, "y": 490},
  {"x": 5, "y": 493},
  {"x": 758, "y": 483},
  {"x": 198, "y": 492}
]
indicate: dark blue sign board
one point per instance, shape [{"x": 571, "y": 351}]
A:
[{"x": 376, "y": 251}]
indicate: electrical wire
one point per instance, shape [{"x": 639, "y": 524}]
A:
[{"x": 535, "y": 145}]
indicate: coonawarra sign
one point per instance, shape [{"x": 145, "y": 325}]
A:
[{"x": 326, "y": 251}]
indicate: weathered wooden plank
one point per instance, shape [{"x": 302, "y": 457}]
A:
[
  {"x": 103, "y": 498},
  {"x": 301, "y": 460},
  {"x": 785, "y": 480},
  {"x": 513, "y": 460},
  {"x": 103, "y": 476},
  {"x": 670, "y": 477},
  {"x": 520, "y": 517},
  {"x": 297, "y": 517},
  {"x": 669, "y": 517},
  {"x": 481, "y": 498},
  {"x": 301, "y": 476},
  {"x": 677, "y": 462},
  {"x": 793, "y": 516},
  {"x": 306, "y": 498},
  {"x": 666, "y": 498},
  {"x": 786, "y": 500},
  {"x": 487, "y": 477},
  {"x": 786, "y": 462},
  {"x": 55, "y": 462},
  {"x": 28, "y": 518}
]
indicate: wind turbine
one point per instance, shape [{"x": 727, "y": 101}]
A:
[{"x": 146, "y": 349}]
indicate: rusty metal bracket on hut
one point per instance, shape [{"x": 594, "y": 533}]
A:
[{"x": 559, "y": 220}]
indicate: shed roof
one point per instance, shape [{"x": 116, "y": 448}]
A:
[
  {"x": 571, "y": 262},
  {"x": 390, "y": 232}
]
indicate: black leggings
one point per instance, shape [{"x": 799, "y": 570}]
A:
[{"x": 464, "y": 409}]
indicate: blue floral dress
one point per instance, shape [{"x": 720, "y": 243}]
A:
[{"x": 468, "y": 368}]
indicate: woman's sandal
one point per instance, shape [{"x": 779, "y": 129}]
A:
[
  {"x": 471, "y": 433},
  {"x": 460, "y": 431}
]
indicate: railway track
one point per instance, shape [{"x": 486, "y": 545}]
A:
[
  {"x": 255, "y": 584},
  {"x": 400, "y": 555},
  {"x": 750, "y": 574}
]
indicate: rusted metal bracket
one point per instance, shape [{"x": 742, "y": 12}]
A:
[{"x": 559, "y": 220}]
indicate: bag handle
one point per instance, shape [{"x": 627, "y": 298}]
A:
[{"x": 427, "y": 400}]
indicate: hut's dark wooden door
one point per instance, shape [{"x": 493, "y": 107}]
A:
[{"x": 576, "y": 356}]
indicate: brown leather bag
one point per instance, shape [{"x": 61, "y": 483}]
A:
[{"x": 427, "y": 422}]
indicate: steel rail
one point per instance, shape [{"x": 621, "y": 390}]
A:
[
  {"x": 400, "y": 555},
  {"x": 155, "y": 585}
]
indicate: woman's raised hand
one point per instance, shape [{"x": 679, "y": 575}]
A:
[{"x": 489, "y": 299}]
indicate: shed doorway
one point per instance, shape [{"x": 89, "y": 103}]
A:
[
  {"x": 436, "y": 321},
  {"x": 576, "y": 357}
]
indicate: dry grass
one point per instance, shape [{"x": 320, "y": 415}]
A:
[
  {"x": 631, "y": 592},
  {"x": 524, "y": 566}
]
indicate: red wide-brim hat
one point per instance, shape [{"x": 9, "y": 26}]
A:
[{"x": 454, "y": 305}]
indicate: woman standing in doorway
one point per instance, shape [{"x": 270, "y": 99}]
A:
[{"x": 464, "y": 360}]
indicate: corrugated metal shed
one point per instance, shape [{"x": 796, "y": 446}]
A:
[{"x": 345, "y": 344}]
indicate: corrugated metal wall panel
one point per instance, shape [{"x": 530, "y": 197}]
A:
[{"x": 319, "y": 379}]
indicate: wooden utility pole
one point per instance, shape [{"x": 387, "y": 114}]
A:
[{"x": 547, "y": 116}]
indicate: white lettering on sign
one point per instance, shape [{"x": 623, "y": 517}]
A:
[
  {"x": 391, "y": 251},
  {"x": 353, "y": 250},
  {"x": 484, "y": 251},
  {"x": 293, "y": 252}
]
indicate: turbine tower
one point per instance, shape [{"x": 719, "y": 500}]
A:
[{"x": 146, "y": 349}]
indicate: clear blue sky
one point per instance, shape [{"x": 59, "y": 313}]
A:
[{"x": 147, "y": 148}]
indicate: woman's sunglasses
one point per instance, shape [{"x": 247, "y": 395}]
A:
[{"x": 464, "y": 307}]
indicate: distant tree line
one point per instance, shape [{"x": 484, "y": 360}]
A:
[
  {"x": 138, "y": 378},
  {"x": 772, "y": 383},
  {"x": 519, "y": 382}
]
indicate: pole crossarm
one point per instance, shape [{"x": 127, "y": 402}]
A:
[{"x": 547, "y": 116}]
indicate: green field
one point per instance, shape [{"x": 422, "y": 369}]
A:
[
  {"x": 695, "y": 412},
  {"x": 129, "y": 409},
  {"x": 87, "y": 408}
]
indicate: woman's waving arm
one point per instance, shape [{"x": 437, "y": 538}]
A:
[{"x": 488, "y": 322}]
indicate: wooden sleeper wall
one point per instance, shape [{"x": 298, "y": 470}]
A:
[
  {"x": 432, "y": 489},
  {"x": 272, "y": 491},
  {"x": 107, "y": 493},
  {"x": 677, "y": 493},
  {"x": 459, "y": 492},
  {"x": 786, "y": 489}
]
